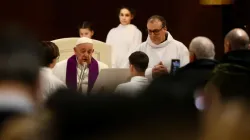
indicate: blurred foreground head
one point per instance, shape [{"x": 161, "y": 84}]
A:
[
  {"x": 158, "y": 116},
  {"x": 19, "y": 66}
]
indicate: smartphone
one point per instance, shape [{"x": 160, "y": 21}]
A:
[{"x": 175, "y": 65}]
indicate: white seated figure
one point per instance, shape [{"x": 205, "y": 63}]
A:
[
  {"x": 80, "y": 71},
  {"x": 138, "y": 83}
]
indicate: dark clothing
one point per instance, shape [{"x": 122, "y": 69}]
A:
[
  {"x": 238, "y": 57},
  {"x": 197, "y": 73}
]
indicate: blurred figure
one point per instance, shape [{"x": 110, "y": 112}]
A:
[
  {"x": 86, "y": 30},
  {"x": 81, "y": 70},
  {"x": 124, "y": 38},
  {"x": 168, "y": 116},
  {"x": 162, "y": 48},
  {"x": 138, "y": 65},
  {"x": 229, "y": 121},
  {"x": 229, "y": 81},
  {"x": 49, "y": 82},
  {"x": 236, "y": 39},
  {"x": 20, "y": 60}
]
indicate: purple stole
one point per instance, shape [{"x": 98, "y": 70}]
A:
[{"x": 71, "y": 73}]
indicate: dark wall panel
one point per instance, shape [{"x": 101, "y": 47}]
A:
[{"x": 53, "y": 19}]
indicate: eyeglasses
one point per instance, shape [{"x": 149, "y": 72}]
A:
[{"x": 155, "y": 31}]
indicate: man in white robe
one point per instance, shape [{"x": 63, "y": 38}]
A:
[
  {"x": 161, "y": 48},
  {"x": 81, "y": 70},
  {"x": 138, "y": 65}
]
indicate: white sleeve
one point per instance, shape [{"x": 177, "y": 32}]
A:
[
  {"x": 109, "y": 41},
  {"x": 137, "y": 40},
  {"x": 184, "y": 55},
  {"x": 148, "y": 74},
  {"x": 118, "y": 90}
]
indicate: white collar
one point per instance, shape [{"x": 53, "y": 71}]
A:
[
  {"x": 139, "y": 79},
  {"x": 46, "y": 69},
  {"x": 163, "y": 44},
  {"x": 15, "y": 102}
]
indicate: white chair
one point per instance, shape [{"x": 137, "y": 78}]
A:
[{"x": 102, "y": 50}]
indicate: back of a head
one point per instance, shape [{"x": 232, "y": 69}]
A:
[
  {"x": 230, "y": 81},
  {"x": 139, "y": 60},
  {"x": 202, "y": 47},
  {"x": 116, "y": 117},
  {"x": 19, "y": 56},
  {"x": 237, "y": 39},
  {"x": 50, "y": 52}
]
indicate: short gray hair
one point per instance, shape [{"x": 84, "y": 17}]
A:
[{"x": 202, "y": 47}]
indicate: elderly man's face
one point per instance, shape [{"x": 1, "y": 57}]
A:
[
  {"x": 156, "y": 32},
  {"x": 84, "y": 53}
]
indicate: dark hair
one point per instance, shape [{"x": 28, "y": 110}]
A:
[
  {"x": 139, "y": 60},
  {"x": 160, "y": 18},
  {"x": 232, "y": 81},
  {"x": 50, "y": 51},
  {"x": 104, "y": 115},
  {"x": 86, "y": 25},
  {"x": 20, "y": 55},
  {"x": 131, "y": 10}
]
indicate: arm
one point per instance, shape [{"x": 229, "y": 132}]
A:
[
  {"x": 137, "y": 40},
  {"x": 148, "y": 74},
  {"x": 184, "y": 55},
  {"x": 109, "y": 41}
]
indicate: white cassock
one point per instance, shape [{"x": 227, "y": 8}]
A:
[
  {"x": 49, "y": 82},
  {"x": 61, "y": 68},
  {"x": 123, "y": 40},
  {"x": 136, "y": 85},
  {"x": 164, "y": 52}
]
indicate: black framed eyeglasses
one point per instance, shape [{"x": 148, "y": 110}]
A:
[{"x": 155, "y": 31}]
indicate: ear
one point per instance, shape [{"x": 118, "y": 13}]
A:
[
  {"x": 92, "y": 32},
  {"x": 93, "y": 51},
  {"x": 132, "y": 17},
  {"x": 75, "y": 49}
]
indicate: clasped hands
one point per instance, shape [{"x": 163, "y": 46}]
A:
[{"x": 159, "y": 70}]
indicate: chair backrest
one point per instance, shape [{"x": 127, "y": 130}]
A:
[
  {"x": 102, "y": 50},
  {"x": 109, "y": 79}
]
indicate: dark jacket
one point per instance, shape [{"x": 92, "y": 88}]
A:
[
  {"x": 196, "y": 73},
  {"x": 239, "y": 57}
]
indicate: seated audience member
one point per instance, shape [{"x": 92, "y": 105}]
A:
[
  {"x": 138, "y": 65},
  {"x": 236, "y": 39},
  {"x": 229, "y": 81},
  {"x": 20, "y": 60},
  {"x": 49, "y": 82},
  {"x": 86, "y": 30},
  {"x": 199, "y": 70},
  {"x": 81, "y": 70},
  {"x": 112, "y": 117},
  {"x": 236, "y": 47},
  {"x": 162, "y": 48}
]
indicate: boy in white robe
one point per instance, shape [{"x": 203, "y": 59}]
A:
[
  {"x": 138, "y": 65},
  {"x": 49, "y": 82},
  {"x": 162, "y": 48},
  {"x": 81, "y": 70}
]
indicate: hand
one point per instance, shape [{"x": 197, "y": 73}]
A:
[{"x": 159, "y": 70}]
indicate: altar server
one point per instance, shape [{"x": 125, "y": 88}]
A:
[{"x": 123, "y": 39}]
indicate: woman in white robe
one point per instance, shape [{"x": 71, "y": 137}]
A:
[{"x": 123, "y": 39}]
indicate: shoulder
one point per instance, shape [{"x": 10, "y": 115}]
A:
[
  {"x": 61, "y": 63},
  {"x": 135, "y": 27},
  {"x": 122, "y": 87},
  {"x": 142, "y": 46}
]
